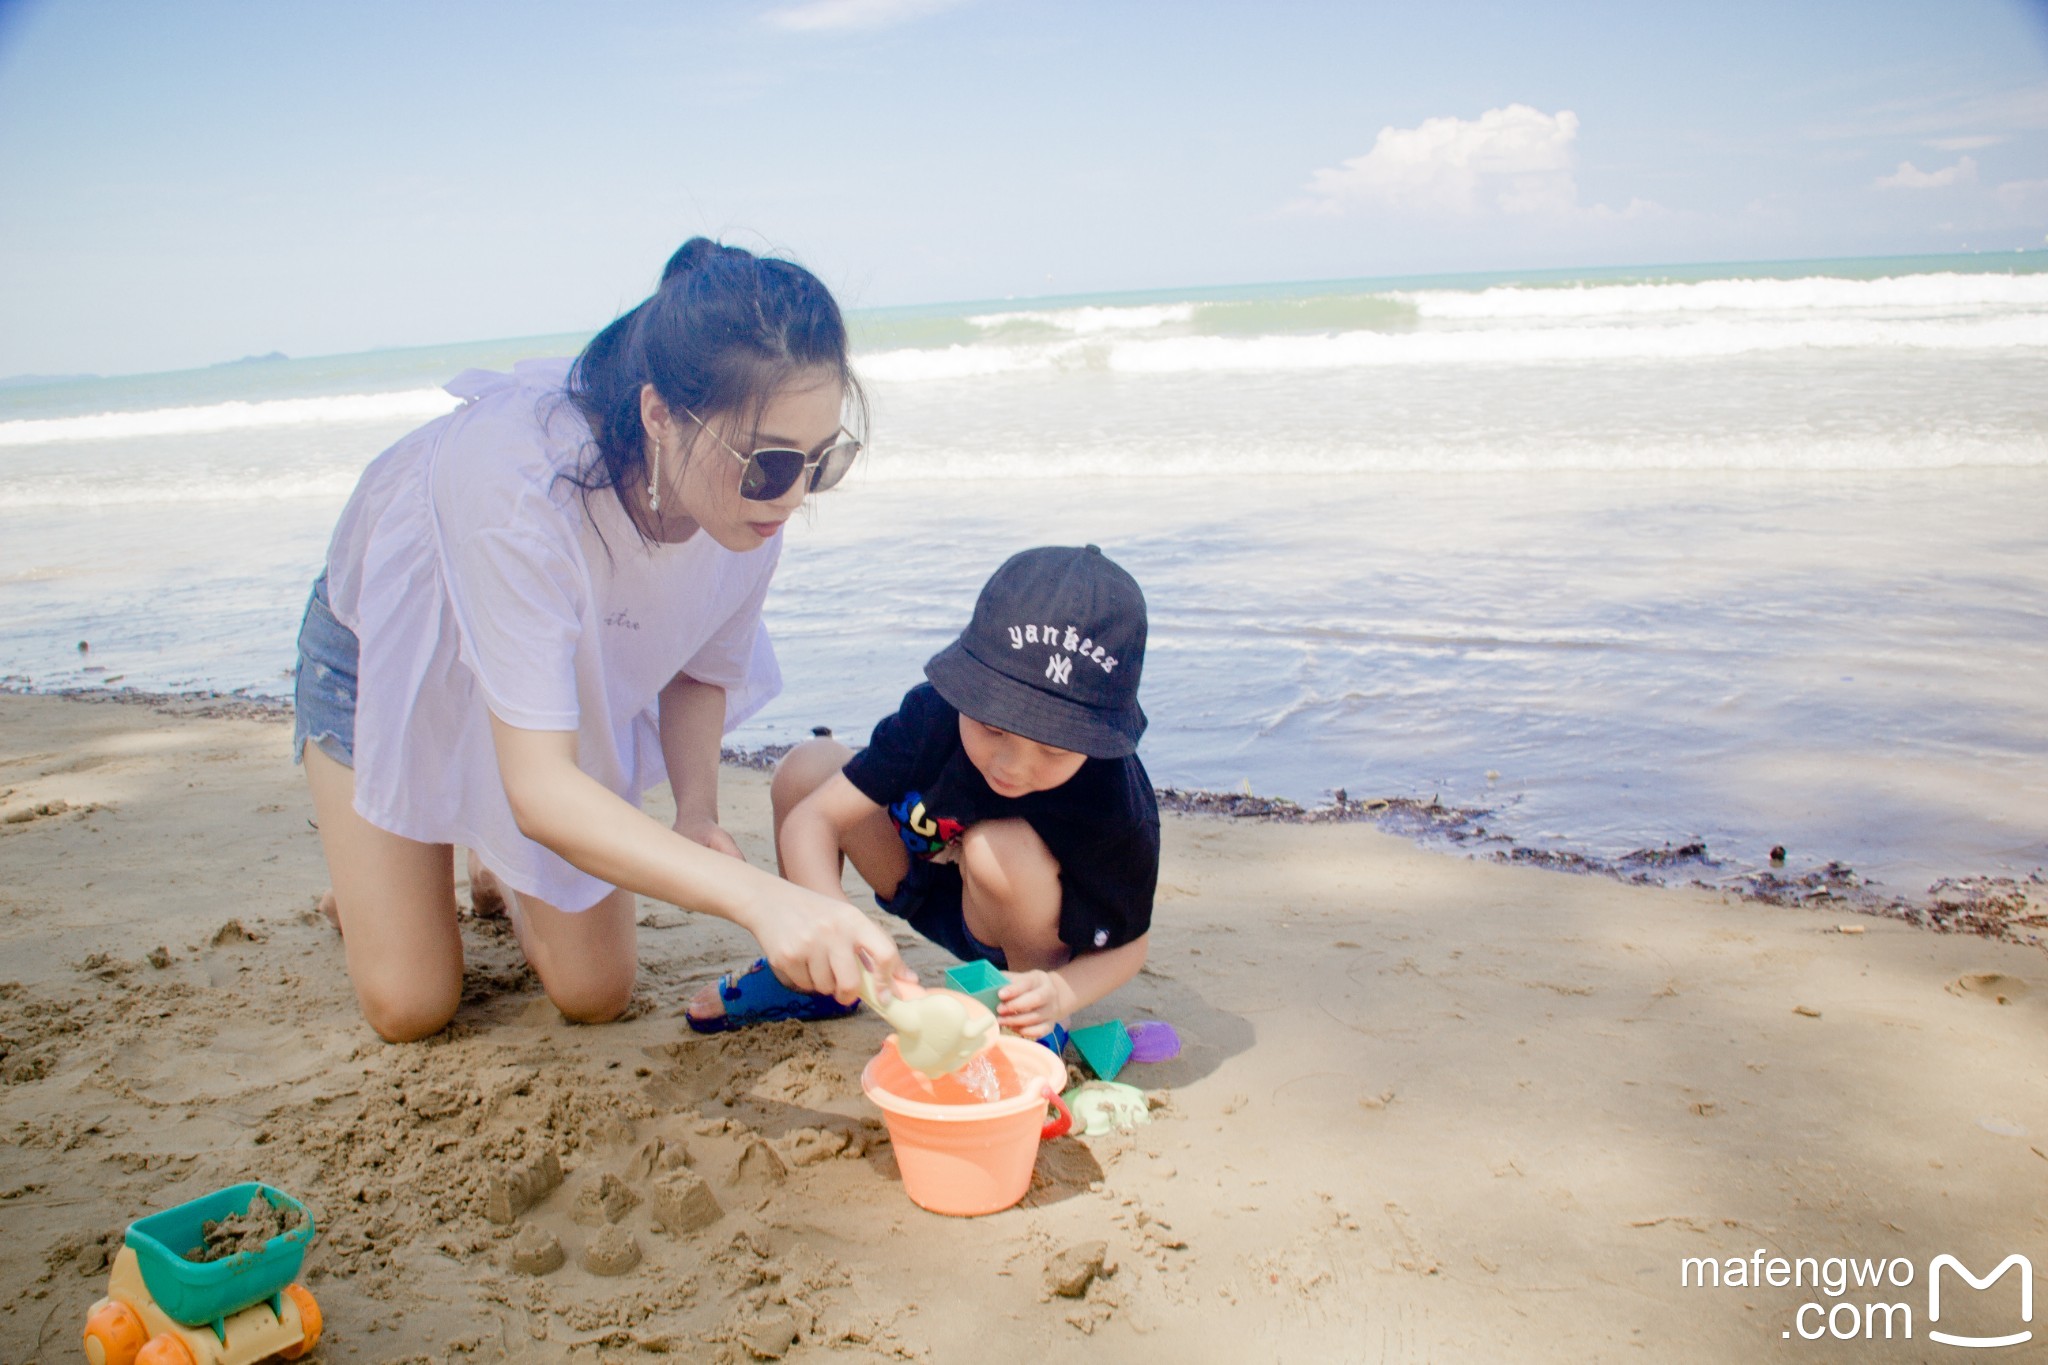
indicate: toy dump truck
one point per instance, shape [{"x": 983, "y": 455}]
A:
[{"x": 162, "y": 1308}]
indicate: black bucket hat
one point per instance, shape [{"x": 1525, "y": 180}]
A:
[{"x": 1054, "y": 653}]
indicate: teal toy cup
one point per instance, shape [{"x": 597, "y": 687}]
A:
[{"x": 979, "y": 980}]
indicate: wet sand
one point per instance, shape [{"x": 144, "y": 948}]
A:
[{"x": 1431, "y": 1106}]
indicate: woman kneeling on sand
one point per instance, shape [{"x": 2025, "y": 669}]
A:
[{"x": 540, "y": 605}]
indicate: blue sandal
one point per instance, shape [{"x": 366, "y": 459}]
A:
[{"x": 757, "y": 996}]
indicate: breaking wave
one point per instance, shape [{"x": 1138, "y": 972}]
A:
[
  {"x": 1697, "y": 339},
  {"x": 410, "y": 405},
  {"x": 1944, "y": 291}
]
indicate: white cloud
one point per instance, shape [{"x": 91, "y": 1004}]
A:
[
  {"x": 2024, "y": 197},
  {"x": 1956, "y": 113},
  {"x": 1911, "y": 177},
  {"x": 1515, "y": 161},
  {"x": 831, "y": 14},
  {"x": 1975, "y": 143}
]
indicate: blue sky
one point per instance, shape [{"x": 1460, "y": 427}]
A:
[{"x": 191, "y": 182}]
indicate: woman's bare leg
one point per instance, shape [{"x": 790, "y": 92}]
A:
[
  {"x": 486, "y": 892},
  {"x": 586, "y": 960},
  {"x": 394, "y": 900}
]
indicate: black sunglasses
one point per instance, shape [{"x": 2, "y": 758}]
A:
[{"x": 770, "y": 472}]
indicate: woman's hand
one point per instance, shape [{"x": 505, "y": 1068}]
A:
[
  {"x": 711, "y": 834},
  {"x": 811, "y": 941},
  {"x": 1034, "y": 1001}
]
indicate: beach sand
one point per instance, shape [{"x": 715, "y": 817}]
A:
[{"x": 1429, "y": 1107}]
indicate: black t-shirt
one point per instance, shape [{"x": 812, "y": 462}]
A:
[{"x": 1101, "y": 825}]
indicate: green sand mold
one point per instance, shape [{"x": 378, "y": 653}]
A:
[
  {"x": 1107, "y": 1106},
  {"x": 979, "y": 980},
  {"x": 1105, "y": 1047}
]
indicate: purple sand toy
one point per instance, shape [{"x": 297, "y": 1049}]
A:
[{"x": 1154, "y": 1040}]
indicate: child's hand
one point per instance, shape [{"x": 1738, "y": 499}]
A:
[{"x": 1034, "y": 1001}]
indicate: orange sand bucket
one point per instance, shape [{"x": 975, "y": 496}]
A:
[{"x": 959, "y": 1153}]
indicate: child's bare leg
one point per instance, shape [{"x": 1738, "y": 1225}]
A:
[
  {"x": 586, "y": 961},
  {"x": 1010, "y": 899},
  {"x": 1010, "y": 893},
  {"x": 877, "y": 853},
  {"x": 798, "y": 773},
  {"x": 394, "y": 898}
]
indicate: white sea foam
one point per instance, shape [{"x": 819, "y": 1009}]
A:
[
  {"x": 1697, "y": 338},
  {"x": 1092, "y": 320},
  {"x": 332, "y": 486},
  {"x": 1562, "y": 452},
  {"x": 912, "y": 364},
  {"x": 409, "y": 405},
  {"x": 1703, "y": 339},
  {"x": 1940, "y": 291}
]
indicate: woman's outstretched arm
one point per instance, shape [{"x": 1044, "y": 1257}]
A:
[{"x": 809, "y": 939}]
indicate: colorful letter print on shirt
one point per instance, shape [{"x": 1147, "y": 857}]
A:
[{"x": 924, "y": 835}]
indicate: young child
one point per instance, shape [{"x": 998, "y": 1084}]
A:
[{"x": 1002, "y": 811}]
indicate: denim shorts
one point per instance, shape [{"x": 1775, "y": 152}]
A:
[
  {"x": 324, "y": 695},
  {"x": 928, "y": 898}
]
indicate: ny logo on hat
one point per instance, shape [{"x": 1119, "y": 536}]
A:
[{"x": 1073, "y": 642}]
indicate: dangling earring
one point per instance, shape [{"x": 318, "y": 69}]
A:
[{"x": 654, "y": 476}]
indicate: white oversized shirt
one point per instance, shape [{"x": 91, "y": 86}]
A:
[{"x": 479, "y": 581}]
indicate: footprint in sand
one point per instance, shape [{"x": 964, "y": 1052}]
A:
[{"x": 1996, "y": 987}]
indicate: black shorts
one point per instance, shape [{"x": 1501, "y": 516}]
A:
[{"x": 928, "y": 899}]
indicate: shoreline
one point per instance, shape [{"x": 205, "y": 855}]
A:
[{"x": 2012, "y": 909}]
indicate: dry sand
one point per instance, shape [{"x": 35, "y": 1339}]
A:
[{"x": 1430, "y": 1108}]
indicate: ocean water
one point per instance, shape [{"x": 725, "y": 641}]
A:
[{"x": 1751, "y": 554}]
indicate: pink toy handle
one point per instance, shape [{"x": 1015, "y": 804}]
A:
[{"x": 1056, "y": 1127}]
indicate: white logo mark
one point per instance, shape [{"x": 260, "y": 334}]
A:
[
  {"x": 1072, "y": 641},
  {"x": 2026, "y": 1269},
  {"x": 1059, "y": 668}
]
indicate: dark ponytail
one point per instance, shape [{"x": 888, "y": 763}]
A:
[{"x": 723, "y": 332}]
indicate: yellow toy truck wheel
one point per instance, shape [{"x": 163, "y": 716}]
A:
[
  {"x": 309, "y": 1320},
  {"x": 113, "y": 1335},
  {"x": 165, "y": 1350}
]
